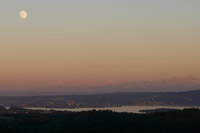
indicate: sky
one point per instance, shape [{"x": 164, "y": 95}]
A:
[{"x": 97, "y": 42}]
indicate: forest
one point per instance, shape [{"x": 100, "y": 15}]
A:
[{"x": 17, "y": 120}]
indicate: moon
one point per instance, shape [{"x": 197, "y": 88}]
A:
[{"x": 23, "y": 14}]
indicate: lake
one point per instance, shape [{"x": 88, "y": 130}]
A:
[{"x": 129, "y": 109}]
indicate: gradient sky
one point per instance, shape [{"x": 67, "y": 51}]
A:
[{"x": 92, "y": 42}]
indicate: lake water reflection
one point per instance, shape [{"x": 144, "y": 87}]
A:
[{"x": 130, "y": 109}]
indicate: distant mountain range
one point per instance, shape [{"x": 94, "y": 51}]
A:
[{"x": 166, "y": 85}]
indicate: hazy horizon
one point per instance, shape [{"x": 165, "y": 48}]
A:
[
  {"x": 100, "y": 45},
  {"x": 174, "y": 84}
]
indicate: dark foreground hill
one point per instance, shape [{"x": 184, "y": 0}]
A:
[{"x": 27, "y": 121}]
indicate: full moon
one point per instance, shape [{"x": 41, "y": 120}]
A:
[{"x": 23, "y": 14}]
